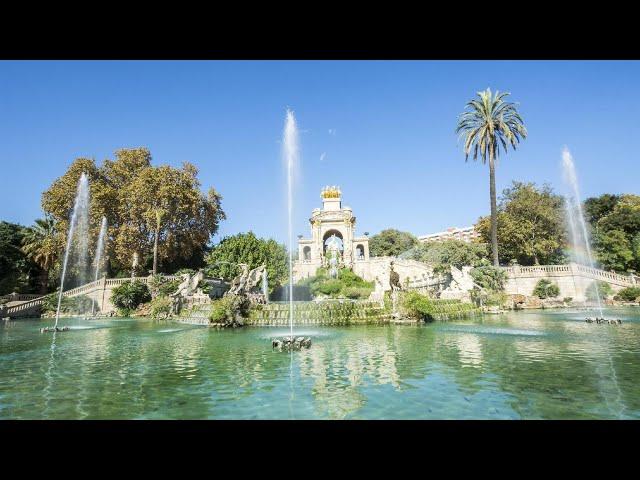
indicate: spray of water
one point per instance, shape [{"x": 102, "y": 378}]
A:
[
  {"x": 99, "y": 251},
  {"x": 290, "y": 152},
  {"x": 80, "y": 209},
  {"x": 581, "y": 251}
]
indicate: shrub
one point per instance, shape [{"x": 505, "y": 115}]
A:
[
  {"x": 347, "y": 284},
  {"x": 129, "y": 295},
  {"x": 489, "y": 277},
  {"x": 603, "y": 288},
  {"x": 417, "y": 305},
  {"x": 329, "y": 287},
  {"x": 628, "y": 294},
  {"x": 546, "y": 289},
  {"x": 162, "y": 286},
  {"x": 356, "y": 292},
  {"x": 227, "y": 310},
  {"x": 567, "y": 299},
  {"x": 161, "y": 307},
  {"x": 70, "y": 305}
]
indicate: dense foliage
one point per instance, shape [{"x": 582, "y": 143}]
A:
[
  {"x": 141, "y": 203},
  {"x": 17, "y": 272},
  {"x": 615, "y": 222},
  {"x": 546, "y": 289},
  {"x": 531, "y": 226},
  {"x": 628, "y": 294},
  {"x": 489, "y": 277},
  {"x": 391, "y": 242},
  {"x": 443, "y": 255},
  {"x": 129, "y": 295},
  {"x": 247, "y": 248},
  {"x": 346, "y": 285},
  {"x": 80, "y": 304},
  {"x": 161, "y": 307},
  {"x": 603, "y": 288}
]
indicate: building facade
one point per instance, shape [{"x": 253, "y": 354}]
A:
[{"x": 467, "y": 234}]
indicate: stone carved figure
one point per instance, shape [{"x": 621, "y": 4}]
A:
[
  {"x": 246, "y": 282},
  {"x": 394, "y": 279},
  {"x": 187, "y": 287},
  {"x": 394, "y": 283},
  {"x": 238, "y": 283}
]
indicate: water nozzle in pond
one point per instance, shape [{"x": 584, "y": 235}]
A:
[
  {"x": 54, "y": 329},
  {"x": 291, "y": 343}
]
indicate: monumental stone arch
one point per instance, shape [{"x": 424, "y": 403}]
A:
[
  {"x": 331, "y": 225},
  {"x": 335, "y": 225}
]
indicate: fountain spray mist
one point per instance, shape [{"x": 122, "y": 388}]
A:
[
  {"x": 290, "y": 155},
  {"x": 80, "y": 209},
  {"x": 99, "y": 251},
  {"x": 575, "y": 217}
]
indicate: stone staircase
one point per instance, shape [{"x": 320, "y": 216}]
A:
[{"x": 32, "y": 307}]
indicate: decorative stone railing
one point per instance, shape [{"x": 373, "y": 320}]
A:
[
  {"x": 19, "y": 297},
  {"x": 572, "y": 269},
  {"x": 85, "y": 289}
]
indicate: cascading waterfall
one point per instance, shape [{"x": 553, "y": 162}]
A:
[
  {"x": 79, "y": 222},
  {"x": 99, "y": 251},
  {"x": 290, "y": 155},
  {"x": 581, "y": 251}
]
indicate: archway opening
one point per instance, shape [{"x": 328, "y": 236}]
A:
[
  {"x": 306, "y": 253},
  {"x": 360, "y": 252},
  {"x": 332, "y": 237}
]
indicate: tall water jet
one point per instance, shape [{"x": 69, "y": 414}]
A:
[
  {"x": 581, "y": 251},
  {"x": 80, "y": 209},
  {"x": 99, "y": 251},
  {"x": 290, "y": 155}
]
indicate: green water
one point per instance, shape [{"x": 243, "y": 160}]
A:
[{"x": 530, "y": 365}]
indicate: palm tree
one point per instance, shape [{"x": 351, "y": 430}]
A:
[
  {"x": 40, "y": 244},
  {"x": 489, "y": 123}
]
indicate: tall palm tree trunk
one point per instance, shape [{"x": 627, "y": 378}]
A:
[
  {"x": 155, "y": 253},
  {"x": 494, "y": 211},
  {"x": 44, "y": 281}
]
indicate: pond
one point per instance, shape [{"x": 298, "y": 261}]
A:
[{"x": 521, "y": 365}]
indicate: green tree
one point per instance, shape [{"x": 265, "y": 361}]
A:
[
  {"x": 597, "y": 207},
  {"x": 15, "y": 267},
  {"x": 489, "y": 277},
  {"x": 546, "y": 289},
  {"x": 530, "y": 225},
  {"x": 41, "y": 244},
  {"x": 246, "y": 248},
  {"x": 449, "y": 253},
  {"x": 168, "y": 214},
  {"x": 129, "y": 295},
  {"x": 603, "y": 289},
  {"x": 151, "y": 211},
  {"x": 489, "y": 124},
  {"x": 613, "y": 249},
  {"x": 391, "y": 242},
  {"x": 615, "y": 222}
]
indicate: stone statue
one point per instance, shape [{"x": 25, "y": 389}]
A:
[
  {"x": 394, "y": 279},
  {"x": 238, "y": 283}
]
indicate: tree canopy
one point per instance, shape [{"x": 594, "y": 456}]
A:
[
  {"x": 615, "y": 223},
  {"x": 531, "y": 225},
  {"x": 17, "y": 272},
  {"x": 131, "y": 193},
  {"x": 391, "y": 242},
  {"x": 247, "y": 248}
]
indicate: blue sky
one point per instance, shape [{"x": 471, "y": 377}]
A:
[{"x": 382, "y": 130}]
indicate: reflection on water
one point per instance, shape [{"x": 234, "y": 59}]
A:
[{"x": 520, "y": 365}]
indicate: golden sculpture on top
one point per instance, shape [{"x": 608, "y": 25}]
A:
[{"x": 331, "y": 192}]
